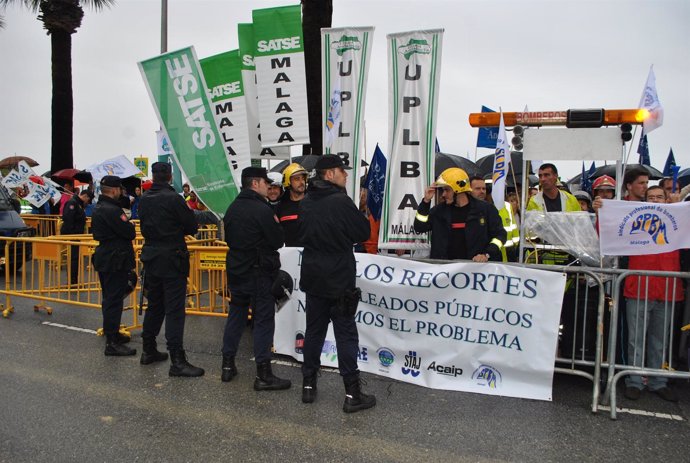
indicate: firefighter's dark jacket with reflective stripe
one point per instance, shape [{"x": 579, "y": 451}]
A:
[
  {"x": 329, "y": 226},
  {"x": 253, "y": 235},
  {"x": 484, "y": 232}
]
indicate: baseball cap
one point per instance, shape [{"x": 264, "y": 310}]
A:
[
  {"x": 330, "y": 161},
  {"x": 255, "y": 172},
  {"x": 111, "y": 181}
]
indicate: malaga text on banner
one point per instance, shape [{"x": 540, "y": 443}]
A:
[
  {"x": 280, "y": 76},
  {"x": 344, "y": 71},
  {"x": 178, "y": 92},
  {"x": 486, "y": 328},
  {"x": 414, "y": 67}
]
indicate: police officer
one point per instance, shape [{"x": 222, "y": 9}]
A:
[
  {"x": 275, "y": 188},
  {"x": 165, "y": 220},
  {"x": 462, "y": 227},
  {"x": 74, "y": 223},
  {"x": 254, "y": 236},
  {"x": 113, "y": 260},
  {"x": 329, "y": 226},
  {"x": 287, "y": 210}
]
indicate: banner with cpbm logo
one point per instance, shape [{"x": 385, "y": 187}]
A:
[
  {"x": 486, "y": 328},
  {"x": 630, "y": 228}
]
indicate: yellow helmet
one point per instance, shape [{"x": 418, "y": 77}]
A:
[
  {"x": 455, "y": 178},
  {"x": 292, "y": 169}
]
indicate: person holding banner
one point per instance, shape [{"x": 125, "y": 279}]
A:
[
  {"x": 287, "y": 210},
  {"x": 254, "y": 236},
  {"x": 329, "y": 226},
  {"x": 649, "y": 304},
  {"x": 165, "y": 220},
  {"x": 113, "y": 259},
  {"x": 462, "y": 227}
]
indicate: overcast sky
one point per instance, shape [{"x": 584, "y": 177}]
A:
[{"x": 549, "y": 55}]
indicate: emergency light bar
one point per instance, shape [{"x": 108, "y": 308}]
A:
[{"x": 571, "y": 118}]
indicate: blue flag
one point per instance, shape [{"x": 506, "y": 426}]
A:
[
  {"x": 670, "y": 162},
  {"x": 643, "y": 150},
  {"x": 376, "y": 183},
  {"x": 586, "y": 180},
  {"x": 487, "y": 136}
]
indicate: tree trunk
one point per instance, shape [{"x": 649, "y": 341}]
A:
[
  {"x": 61, "y": 155},
  {"x": 315, "y": 15}
]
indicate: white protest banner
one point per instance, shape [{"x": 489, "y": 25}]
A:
[
  {"x": 414, "y": 68},
  {"x": 245, "y": 34},
  {"x": 280, "y": 76},
  {"x": 486, "y": 328},
  {"x": 631, "y": 228},
  {"x": 25, "y": 170},
  {"x": 179, "y": 95},
  {"x": 119, "y": 165},
  {"x": 344, "y": 70},
  {"x": 13, "y": 179},
  {"x": 224, "y": 80},
  {"x": 38, "y": 194}
]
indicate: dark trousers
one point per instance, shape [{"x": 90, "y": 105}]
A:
[
  {"x": 74, "y": 265},
  {"x": 255, "y": 291},
  {"x": 321, "y": 311},
  {"x": 113, "y": 287},
  {"x": 165, "y": 301}
]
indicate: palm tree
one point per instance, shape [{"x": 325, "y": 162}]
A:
[{"x": 61, "y": 18}]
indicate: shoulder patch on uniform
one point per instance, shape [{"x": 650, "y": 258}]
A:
[
  {"x": 275, "y": 217},
  {"x": 71, "y": 206},
  {"x": 123, "y": 217}
]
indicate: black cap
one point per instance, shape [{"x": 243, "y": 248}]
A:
[
  {"x": 255, "y": 172},
  {"x": 330, "y": 161},
  {"x": 112, "y": 181},
  {"x": 161, "y": 168}
]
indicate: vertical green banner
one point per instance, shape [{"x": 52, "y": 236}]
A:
[{"x": 178, "y": 92}]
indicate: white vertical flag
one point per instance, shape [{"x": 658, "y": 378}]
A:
[
  {"x": 650, "y": 101},
  {"x": 501, "y": 163}
]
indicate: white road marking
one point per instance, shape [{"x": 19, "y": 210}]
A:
[
  {"x": 632, "y": 411},
  {"x": 68, "y": 327}
]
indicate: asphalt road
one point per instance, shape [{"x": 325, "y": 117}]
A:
[{"x": 62, "y": 400}]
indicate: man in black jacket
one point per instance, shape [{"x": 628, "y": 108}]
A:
[
  {"x": 165, "y": 220},
  {"x": 254, "y": 236},
  {"x": 329, "y": 226},
  {"x": 113, "y": 260},
  {"x": 74, "y": 223},
  {"x": 462, "y": 227},
  {"x": 287, "y": 209}
]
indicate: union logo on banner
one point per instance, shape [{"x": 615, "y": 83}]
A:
[{"x": 142, "y": 163}]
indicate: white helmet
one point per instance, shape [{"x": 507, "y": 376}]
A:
[{"x": 276, "y": 178}]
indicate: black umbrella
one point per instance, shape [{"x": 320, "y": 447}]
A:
[
  {"x": 308, "y": 161},
  {"x": 444, "y": 161},
  {"x": 130, "y": 183},
  {"x": 486, "y": 164},
  {"x": 610, "y": 170},
  {"x": 684, "y": 177}
]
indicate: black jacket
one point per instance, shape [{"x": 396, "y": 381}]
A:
[
  {"x": 73, "y": 217},
  {"x": 114, "y": 233},
  {"x": 329, "y": 226},
  {"x": 483, "y": 225},
  {"x": 253, "y": 235},
  {"x": 165, "y": 219},
  {"x": 287, "y": 212}
]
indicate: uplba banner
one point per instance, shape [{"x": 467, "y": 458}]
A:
[
  {"x": 344, "y": 71},
  {"x": 178, "y": 92},
  {"x": 280, "y": 74},
  {"x": 631, "y": 228},
  {"x": 245, "y": 32},
  {"x": 224, "y": 79},
  {"x": 486, "y": 328},
  {"x": 414, "y": 68}
]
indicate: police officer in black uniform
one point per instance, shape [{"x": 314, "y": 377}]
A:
[
  {"x": 113, "y": 260},
  {"x": 329, "y": 226},
  {"x": 165, "y": 220},
  {"x": 74, "y": 223},
  {"x": 254, "y": 236}
]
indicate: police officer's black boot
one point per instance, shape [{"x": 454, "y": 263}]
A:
[
  {"x": 266, "y": 380},
  {"x": 179, "y": 366},
  {"x": 115, "y": 349},
  {"x": 151, "y": 354},
  {"x": 229, "y": 369},
  {"x": 309, "y": 389},
  {"x": 355, "y": 399}
]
